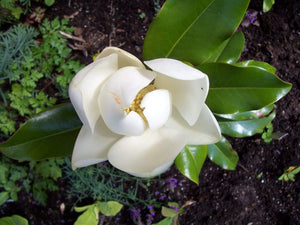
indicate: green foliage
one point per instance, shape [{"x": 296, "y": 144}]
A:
[
  {"x": 289, "y": 174},
  {"x": 107, "y": 182},
  {"x": 171, "y": 213},
  {"x": 190, "y": 161},
  {"x": 31, "y": 69},
  {"x": 38, "y": 178},
  {"x": 15, "y": 46},
  {"x": 267, "y": 135},
  {"x": 90, "y": 213},
  {"x": 49, "y": 134},
  {"x": 13, "y": 220},
  {"x": 267, "y": 5},
  {"x": 203, "y": 34}
]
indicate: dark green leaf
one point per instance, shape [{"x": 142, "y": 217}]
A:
[
  {"x": 245, "y": 128},
  {"x": 254, "y": 114},
  {"x": 51, "y": 133},
  {"x": 190, "y": 161},
  {"x": 230, "y": 50},
  {"x": 223, "y": 155},
  {"x": 192, "y": 30},
  {"x": 235, "y": 89},
  {"x": 261, "y": 65}
]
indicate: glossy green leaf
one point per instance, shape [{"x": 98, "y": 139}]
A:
[
  {"x": 245, "y": 128},
  {"x": 51, "y": 133},
  {"x": 249, "y": 115},
  {"x": 190, "y": 161},
  {"x": 13, "y": 220},
  {"x": 261, "y": 65},
  {"x": 192, "y": 30},
  {"x": 235, "y": 89},
  {"x": 230, "y": 50},
  {"x": 222, "y": 154},
  {"x": 110, "y": 208}
]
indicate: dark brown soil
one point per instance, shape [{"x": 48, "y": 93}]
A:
[{"x": 222, "y": 197}]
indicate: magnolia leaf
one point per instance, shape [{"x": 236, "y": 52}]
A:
[
  {"x": 51, "y": 133},
  {"x": 190, "y": 161},
  {"x": 110, "y": 208},
  {"x": 90, "y": 217},
  {"x": 13, "y": 220},
  {"x": 254, "y": 114},
  {"x": 235, "y": 89},
  {"x": 230, "y": 50},
  {"x": 192, "y": 30},
  {"x": 261, "y": 65},
  {"x": 223, "y": 155},
  {"x": 245, "y": 128}
]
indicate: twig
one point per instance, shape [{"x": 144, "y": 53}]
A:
[{"x": 72, "y": 37}]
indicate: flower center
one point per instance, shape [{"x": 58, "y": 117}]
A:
[{"x": 136, "y": 104}]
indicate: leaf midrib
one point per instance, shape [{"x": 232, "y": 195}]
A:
[{"x": 186, "y": 30}]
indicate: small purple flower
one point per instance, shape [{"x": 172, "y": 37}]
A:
[
  {"x": 251, "y": 17},
  {"x": 135, "y": 214},
  {"x": 172, "y": 183},
  {"x": 162, "y": 197}
]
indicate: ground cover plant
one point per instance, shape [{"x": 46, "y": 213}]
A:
[{"x": 181, "y": 190}]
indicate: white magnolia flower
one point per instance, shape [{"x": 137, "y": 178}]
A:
[{"x": 139, "y": 119}]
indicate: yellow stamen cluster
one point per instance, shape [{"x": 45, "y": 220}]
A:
[{"x": 136, "y": 104}]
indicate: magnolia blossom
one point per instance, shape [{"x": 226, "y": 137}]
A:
[{"x": 139, "y": 119}]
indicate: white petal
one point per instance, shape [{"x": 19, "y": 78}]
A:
[
  {"x": 158, "y": 107},
  {"x": 188, "y": 96},
  {"x": 91, "y": 148},
  {"x": 188, "y": 86},
  {"x": 85, "y": 87},
  {"x": 205, "y": 131},
  {"x": 117, "y": 94},
  {"x": 124, "y": 58},
  {"x": 175, "y": 69},
  {"x": 149, "y": 154}
]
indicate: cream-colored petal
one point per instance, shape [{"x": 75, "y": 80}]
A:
[
  {"x": 85, "y": 87},
  {"x": 158, "y": 107},
  {"x": 188, "y": 96},
  {"x": 149, "y": 154},
  {"x": 124, "y": 58},
  {"x": 91, "y": 148},
  {"x": 116, "y": 96},
  {"x": 205, "y": 131},
  {"x": 175, "y": 69},
  {"x": 188, "y": 86}
]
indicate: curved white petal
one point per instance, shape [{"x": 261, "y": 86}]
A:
[
  {"x": 116, "y": 96},
  {"x": 188, "y": 96},
  {"x": 175, "y": 69},
  {"x": 91, "y": 148},
  {"x": 205, "y": 131},
  {"x": 149, "y": 154},
  {"x": 124, "y": 58},
  {"x": 85, "y": 87},
  {"x": 158, "y": 107}
]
